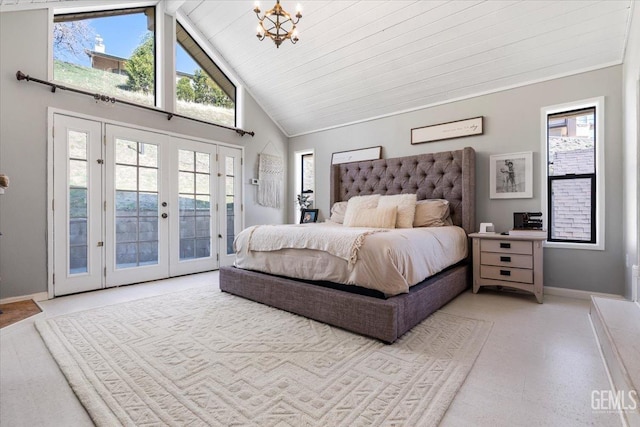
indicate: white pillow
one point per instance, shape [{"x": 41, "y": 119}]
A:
[
  {"x": 406, "y": 204},
  {"x": 376, "y": 217},
  {"x": 358, "y": 203},
  {"x": 431, "y": 213},
  {"x": 337, "y": 212}
]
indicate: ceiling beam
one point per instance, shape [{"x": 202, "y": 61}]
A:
[{"x": 171, "y": 6}]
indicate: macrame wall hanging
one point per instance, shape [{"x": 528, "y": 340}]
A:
[{"x": 270, "y": 177}]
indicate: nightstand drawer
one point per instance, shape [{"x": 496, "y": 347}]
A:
[
  {"x": 506, "y": 274},
  {"x": 513, "y": 247},
  {"x": 506, "y": 260}
]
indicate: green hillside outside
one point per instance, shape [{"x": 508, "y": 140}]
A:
[{"x": 114, "y": 85}]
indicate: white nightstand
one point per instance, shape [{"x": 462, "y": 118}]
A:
[{"x": 510, "y": 261}]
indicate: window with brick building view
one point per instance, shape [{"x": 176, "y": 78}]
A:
[{"x": 571, "y": 176}]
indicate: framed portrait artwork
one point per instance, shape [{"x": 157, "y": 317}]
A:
[
  {"x": 308, "y": 215},
  {"x": 511, "y": 176}
]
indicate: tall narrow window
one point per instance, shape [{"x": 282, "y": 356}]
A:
[
  {"x": 78, "y": 201},
  {"x": 307, "y": 177},
  {"x": 230, "y": 200},
  {"x": 572, "y": 171},
  {"x": 108, "y": 52},
  {"x": 203, "y": 91}
]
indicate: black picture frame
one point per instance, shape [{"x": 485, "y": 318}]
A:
[{"x": 308, "y": 216}]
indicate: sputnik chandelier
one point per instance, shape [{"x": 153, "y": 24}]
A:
[{"x": 277, "y": 24}]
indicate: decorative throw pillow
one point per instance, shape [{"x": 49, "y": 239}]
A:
[
  {"x": 406, "y": 204},
  {"x": 431, "y": 213},
  {"x": 376, "y": 217},
  {"x": 337, "y": 212},
  {"x": 358, "y": 203}
]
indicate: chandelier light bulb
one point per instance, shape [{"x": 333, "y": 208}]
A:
[{"x": 256, "y": 9}]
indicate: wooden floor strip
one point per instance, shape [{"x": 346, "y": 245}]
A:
[{"x": 17, "y": 311}]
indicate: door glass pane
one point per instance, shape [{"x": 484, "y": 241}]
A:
[
  {"x": 571, "y": 209},
  {"x": 230, "y": 202},
  {"x": 195, "y": 204},
  {"x": 137, "y": 214},
  {"x": 78, "y": 195},
  {"x": 126, "y": 152},
  {"x": 126, "y": 203},
  {"x": 186, "y": 184},
  {"x": 126, "y": 177},
  {"x": 77, "y": 145},
  {"x": 149, "y": 155},
  {"x": 202, "y": 183},
  {"x": 148, "y": 179},
  {"x": 185, "y": 160},
  {"x": 202, "y": 162}
]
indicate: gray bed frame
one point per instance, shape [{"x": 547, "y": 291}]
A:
[{"x": 446, "y": 175}]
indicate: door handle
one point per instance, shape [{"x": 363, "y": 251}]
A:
[
  {"x": 164, "y": 204},
  {"x": 164, "y": 215}
]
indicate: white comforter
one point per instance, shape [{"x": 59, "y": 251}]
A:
[{"x": 389, "y": 262}]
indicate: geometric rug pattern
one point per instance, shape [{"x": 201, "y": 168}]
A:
[{"x": 205, "y": 358}]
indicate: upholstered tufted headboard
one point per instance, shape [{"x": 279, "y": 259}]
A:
[{"x": 447, "y": 175}]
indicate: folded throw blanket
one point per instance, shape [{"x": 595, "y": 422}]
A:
[{"x": 342, "y": 242}]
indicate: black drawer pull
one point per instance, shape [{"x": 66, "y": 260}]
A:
[
  {"x": 505, "y": 273},
  {"x": 505, "y": 245},
  {"x": 505, "y": 259}
]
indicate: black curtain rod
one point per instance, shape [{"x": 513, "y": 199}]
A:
[{"x": 99, "y": 97}]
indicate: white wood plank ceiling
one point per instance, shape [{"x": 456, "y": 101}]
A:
[{"x": 358, "y": 60}]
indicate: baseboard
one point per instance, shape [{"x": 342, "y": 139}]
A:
[
  {"x": 612, "y": 386},
  {"x": 40, "y": 296},
  {"x": 575, "y": 293}
]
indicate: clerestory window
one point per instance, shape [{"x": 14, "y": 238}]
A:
[
  {"x": 203, "y": 91},
  {"x": 108, "y": 52}
]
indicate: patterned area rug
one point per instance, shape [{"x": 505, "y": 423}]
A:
[{"x": 202, "y": 357}]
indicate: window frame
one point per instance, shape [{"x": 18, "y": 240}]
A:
[
  {"x": 598, "y": 178},
  {"x": 158, "y": 55}
]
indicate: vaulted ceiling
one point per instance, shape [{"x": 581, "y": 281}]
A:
[{"x": 357, "y": 60}]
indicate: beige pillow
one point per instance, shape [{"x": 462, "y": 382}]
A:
[
  {"x": 431, "y": 213},
  {"x": 406, "y": 204},
  {"x": 376, "y": 217},
  {"x": 337, "y": 212},
  {"x": 358, "y": 203}
]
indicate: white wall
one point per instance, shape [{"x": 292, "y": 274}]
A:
[
  {"x": 23, "y": 147},
  {"x": 631, "y": 77},
  {"x": 511, "y": 124}
]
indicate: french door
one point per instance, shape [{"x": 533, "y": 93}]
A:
[
  {"x": 137, "y": 200},
  {"x": 133, "y": 205}
]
